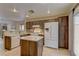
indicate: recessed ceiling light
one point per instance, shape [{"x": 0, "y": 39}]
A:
[{"x": 48, "y": 12}]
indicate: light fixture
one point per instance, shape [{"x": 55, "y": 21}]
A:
[
  {"x": 31, "y": 11},
  {"x": 48, "y": 11},
  {"x": 27, "y": 15},
  {"x": 14, "y": 10},
  {"x": 36, "y": 26}
]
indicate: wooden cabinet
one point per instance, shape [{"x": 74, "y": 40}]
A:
[
  {"x": 31, "y": 48},
  {"x": 11, "y": 42},
  {"x": 30, "y": 24},
  {"x": 66, "y": 32},
  {"x": 7, "y": 42}
]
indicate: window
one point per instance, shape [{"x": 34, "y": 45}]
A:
[{"x": 22, "y": 27}]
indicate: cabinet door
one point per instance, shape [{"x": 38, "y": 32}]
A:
[
  {"x": 25, "y": 48},
  {"x": 33, "y": 48},
  {"x": 7, "y": 43}
]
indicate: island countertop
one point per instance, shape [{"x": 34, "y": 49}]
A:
[{"x": 31, "y": 38}]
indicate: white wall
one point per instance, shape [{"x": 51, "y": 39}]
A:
[
  {"x": 74, "y": 32},
  {"x": 76, "y": 35},
  {"x": 10, "y": 23},
  {"x": 6, "y": 22},
  {"x": 71, "y": 33}
]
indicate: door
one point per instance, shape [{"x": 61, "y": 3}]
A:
[{"x": 51, "y": 34}]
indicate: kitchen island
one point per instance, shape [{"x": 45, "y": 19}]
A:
[
  {"x": 31, "y": 45},
  {"x": 11, "y": 40}
]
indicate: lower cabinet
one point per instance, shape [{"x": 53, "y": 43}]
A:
[
  {"x": 7, "y": 42},
  {"x": 31, "y": 48},
  {"x": 11, "y": 42}
]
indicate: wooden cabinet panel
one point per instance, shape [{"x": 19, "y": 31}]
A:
[
  {"x": 7, "y": 42},
  {"x": 63, "y": 32},
  {"x": 31, "y": 48},
  {"x": 25, "y": 48},
  {"x": 66, "y": 32}
]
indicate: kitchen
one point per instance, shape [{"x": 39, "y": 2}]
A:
[{"x": 51, "y": 31}]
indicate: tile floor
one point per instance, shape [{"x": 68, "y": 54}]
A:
[
  {"x": 46, "y": 51},
  {"x": 55, "y": 52}
]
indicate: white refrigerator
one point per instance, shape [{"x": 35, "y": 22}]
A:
[{"x": 51, "y": 34}]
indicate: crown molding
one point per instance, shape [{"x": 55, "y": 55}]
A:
[{"x": 46, "y": 17}]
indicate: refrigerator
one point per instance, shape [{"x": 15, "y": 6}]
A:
[{"x": 51, "y": 34}]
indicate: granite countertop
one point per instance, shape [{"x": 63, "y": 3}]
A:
[
  {"x": 12, "y": 34},
  {"x": 31, "y": 38}
]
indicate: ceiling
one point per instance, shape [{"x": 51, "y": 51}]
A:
[{"x": 40, "y": 10}]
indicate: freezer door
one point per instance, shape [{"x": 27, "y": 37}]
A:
[{"x": 51, "y": 34}]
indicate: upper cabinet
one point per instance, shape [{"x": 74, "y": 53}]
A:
[{"x": 30, "y": 24}]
